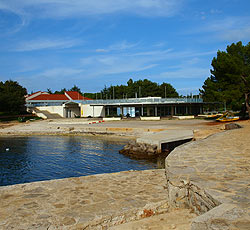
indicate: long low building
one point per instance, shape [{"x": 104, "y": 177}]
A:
[{"x": 72, "y": 104}]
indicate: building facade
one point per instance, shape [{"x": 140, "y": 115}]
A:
[{"x": 72, "y": 104}]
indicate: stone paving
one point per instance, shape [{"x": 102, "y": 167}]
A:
[
  {"x": 90, "y": 202},
  {"x": 178, "y": 219},
  {"x": 213, "y": 172}
]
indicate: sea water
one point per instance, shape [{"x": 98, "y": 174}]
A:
[{"x": 37, "y": 158}]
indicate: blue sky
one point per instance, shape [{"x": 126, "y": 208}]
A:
[{"x": 61, "y": 43}]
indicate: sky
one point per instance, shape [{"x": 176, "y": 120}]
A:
[{"x": 92, "y": 43}]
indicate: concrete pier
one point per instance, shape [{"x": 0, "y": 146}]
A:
[{"x": 165, "y": 137}]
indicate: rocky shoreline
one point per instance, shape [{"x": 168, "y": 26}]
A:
[{"x": 141, "y": 151}]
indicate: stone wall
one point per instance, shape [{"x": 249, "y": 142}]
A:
[{"x": 211, "y": 176}]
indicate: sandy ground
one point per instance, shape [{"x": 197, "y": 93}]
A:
[{"x": 127, "y": 128}]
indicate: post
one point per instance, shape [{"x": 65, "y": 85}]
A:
[
  {"x": 148, "y": 111},
  {"x": 155, "y": 111},
  {"x": 172, "y": 110}
]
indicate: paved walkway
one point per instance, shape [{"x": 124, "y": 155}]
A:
[
  {"x": 91, "y": 202},
  {"x": 214, "y": 172}
]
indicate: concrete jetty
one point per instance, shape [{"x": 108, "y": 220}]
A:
[{"x": 165, "y": 137}]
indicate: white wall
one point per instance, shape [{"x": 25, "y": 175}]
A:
[
  {"x": 52, "y": 109},
  {"x": 93, "y": 111}
]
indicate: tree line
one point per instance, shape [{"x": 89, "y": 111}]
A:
[{"x": 133, "y": 89}]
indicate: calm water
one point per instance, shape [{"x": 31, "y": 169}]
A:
[{"x": 28, "y": 159}]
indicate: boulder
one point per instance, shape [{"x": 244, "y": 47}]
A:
[{"x": 232, "y": 126}]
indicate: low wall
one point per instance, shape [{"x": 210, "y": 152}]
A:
[
  {"x": 150, "y": 118},
  {"x": 184, "y": 117},
  {"x": 41, "y": 115},
  {"x": 111, "y": 118}
]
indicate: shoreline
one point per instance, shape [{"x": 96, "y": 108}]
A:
[
  {"x": 121, "y": 129},
  {"x": 208, "y": 175}
]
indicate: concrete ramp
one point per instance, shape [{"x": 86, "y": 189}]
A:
[
  {"x": 165, "y": 137},
  {"x": 46, "y": 114}
]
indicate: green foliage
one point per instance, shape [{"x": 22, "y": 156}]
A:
[
  {"x": 12, "y": 98},
  {"x": 60, "y": 91},
  {"x": 230, "y": 77},
  {"x": 90, "y": 95},
  {"x": 140, "y": 88},
  {"x": 76, "y": 89},
  {"x": 49, "y": 90}
]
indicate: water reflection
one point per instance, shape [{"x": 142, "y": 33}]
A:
[{"x": 53, "y": 157}]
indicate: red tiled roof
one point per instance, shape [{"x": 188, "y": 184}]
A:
[
  {"x": 76, "y": 96},
  {"x": 36, "y": 93},
  {"x": 55, "y": 97},
  {"x": 51, "y": 97}
]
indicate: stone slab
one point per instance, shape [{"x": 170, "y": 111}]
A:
[
  {"x": 90, "y": 202},
  {"x": 166, "y": 136}
]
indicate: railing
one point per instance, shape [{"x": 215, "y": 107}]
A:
[
  {"x": 153, "y": 100},
  {"x": 144, "y": 101}
]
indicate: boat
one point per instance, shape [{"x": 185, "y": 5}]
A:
[{"x": 227, "y": 116}]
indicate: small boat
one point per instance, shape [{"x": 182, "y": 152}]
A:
[{"x": 228, "y": 116}]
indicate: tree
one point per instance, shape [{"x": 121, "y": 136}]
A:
[
  {"x": 167, "y": 90},
  {"x": 61, "y": 91},
  {"x": 230, "y": 77},
  {"x": 76, "y": 89},
  {"x": 12, "y": 98},
  {"x": 49, "y": 90},
  {"x": 140, "y": 88}
]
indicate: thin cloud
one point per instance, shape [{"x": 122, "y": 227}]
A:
[
  {"x": 133, "y": 61},
  {"x": 45, "y": 44},
  {"x": 118, "y": 47},
  {"x": 11, "y": 29},
  {"x": 226, "y": 29},
  {"x": 61, "y": 72},
  {"x": 186, "y": 73},
  {"x": 73, "y": 8}
]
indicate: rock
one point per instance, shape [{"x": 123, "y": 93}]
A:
[
  {"x": 232, "y": 126},
  {"x": 140, "y": 151}
]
